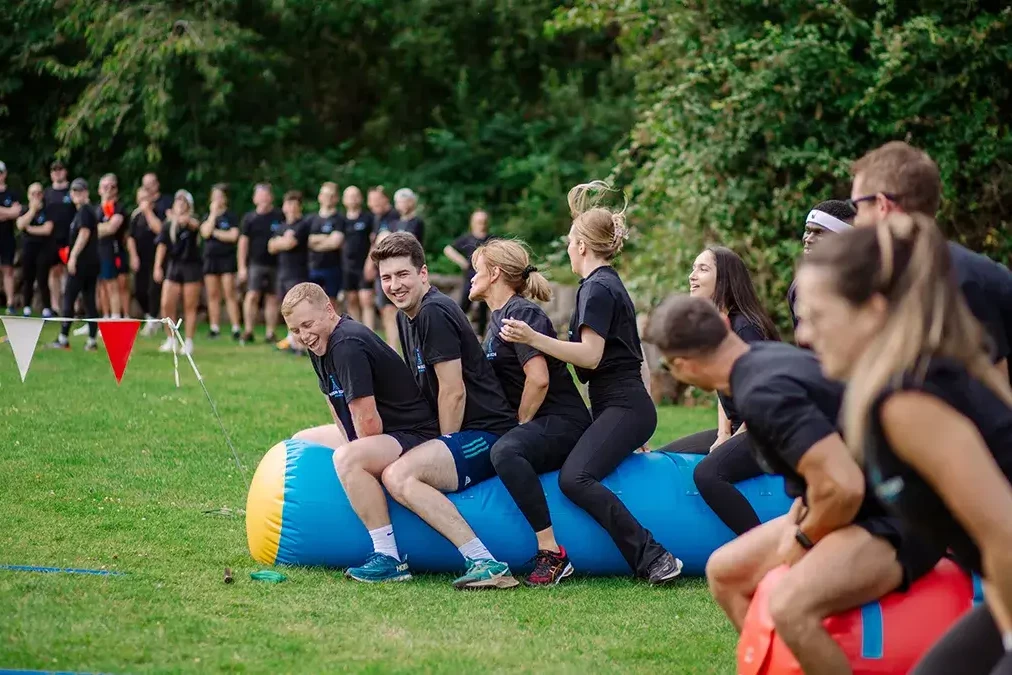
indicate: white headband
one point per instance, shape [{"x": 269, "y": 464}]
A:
[{"x": 824, "y": 220}]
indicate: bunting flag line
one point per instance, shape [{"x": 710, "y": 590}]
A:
[
  {"x": 119, "y": 337},
  {"x": 23, "y": 334}
]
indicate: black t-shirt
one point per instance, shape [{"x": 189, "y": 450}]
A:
[
  {"x": 142, "y": 235},
  {"x": 604, "y": 306},
  {"x": 358, "y": 364},
  {"x": 294, "y": 263},
  {"x": 385, "y": 222},
  {"x": 111, "y": 245},
  {"x": 987, "y": 287},
  {"x": 792, "y": 298},
  {"x": 7, "y": 198},
  {"x": 749, "y": 333},
  {"x": 508, "y": 360},
  {"x": 325, "y": 260},
  {"x": 185, "y": 248},
  {"x": 41, "y": 218},
  {"x": 466, "y": 245},
  {"x": 162, "y": 205},
  {"x": 85, "y": 219},
  {"x": 357, "y": 239},
  {"x": 788, "y": 405},
  {"x": 216, "y": 248},
  {"x": 902, "y": 490},
  {"x": 413, "y": 225},
  {"x": 260, "y": 227},
  {"x": 61, "y": 210},
  {"x": 441, "y": 332}
]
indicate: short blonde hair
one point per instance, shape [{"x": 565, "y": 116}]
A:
[{"x": 304, "y": 292}]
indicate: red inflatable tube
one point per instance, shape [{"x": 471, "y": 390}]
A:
[{"x": 882, "y": 638}]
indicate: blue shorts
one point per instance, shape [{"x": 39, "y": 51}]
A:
[
  {"x": 472, "y": 456},
  {"x": 109, "y": 268},
  {"x": 329, "y": 279}
]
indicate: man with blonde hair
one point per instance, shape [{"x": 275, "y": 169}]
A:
[{"x": 377, "y": 409}]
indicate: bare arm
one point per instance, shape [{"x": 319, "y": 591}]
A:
[
  {"x": 82, "y": 240},
  {"x": 835, "y": 487},
  {"x": 454, "y": 255},
  {"x": 243, "y": 251},
  {"x": 12, "y": 211},
  {"x": 337, "y": 420},
  {"x": 160, "y": 256},
  {"x": 326, "y": 242},
  {"x": 535, "y": 388},
  {"x": 365, "y": 417},
  {"x": 282, "y": 243},
  {"x": 25, "y": 219},
  {"x": 947, "y": 451},
  {"x": 110, "y": 227},
  {"x": 207, "y": 227},
  {"x": 452, "y": 396},
  {"x": 229, "y": 236},
  {"x": 154, "y": 222},
  {"x": 585, "y": 354}
]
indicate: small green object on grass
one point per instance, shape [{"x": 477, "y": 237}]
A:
[{"x": 269, "y": 576}]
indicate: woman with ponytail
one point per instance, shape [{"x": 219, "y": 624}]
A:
[
  {"x": 720, "y": 276},
  {"x": 551, "y": 413},
  {"x": 179, "y": 244},
  {"x": 924, "y": 409},
  {"x": 604, "y": 345}
]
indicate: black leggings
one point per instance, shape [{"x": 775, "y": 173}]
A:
[
  {"x": 615, "y": 433},
  {"x": 730, "y": 462},
  {"x": 35, "y": 269},
  {"x": 971, "y": 647},
  {"x": 82, "y": 282},
  {"x": 540, "y": 446}
]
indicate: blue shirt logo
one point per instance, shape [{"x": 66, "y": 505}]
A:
[
  {"x": 276, "y": 228},
  {"x": 66, "y": 199},
  {"x": 360, "y": 225},
  {"x": 335, "y": 389},
  {"x": 490, "y": 350},
  {"x": 40, "y": 219},
  {"x": 328, "y": 227},
  {"x": 7, "y": 201},
  {"x": 223, "y": 225},
  {"x": 419, "y": 365}
]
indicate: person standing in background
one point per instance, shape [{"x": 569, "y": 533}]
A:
[
  {"x": 326, "y": 237},
  {"x": 60, "y": 209},
  {"x": 461, "y": 252},
  {"x": 145, "y": 226},
  {"x": 257, "y": 265},
  {"x": 406, "y": 203},
  {"x": 179, "y": 245},
  {"x": 111, "y": 217},
  {"x": 82, "y": 267},
  {"x": 159, "y": 205},
  {"x": 384, "y": 220},
  {"x": 292, "y": 250},
  {"x": 37, "y": 229},
  {"x": 358, "y": 238},
  {"x": 10, "y": 209},
  {"x": 220, "y": 231}
]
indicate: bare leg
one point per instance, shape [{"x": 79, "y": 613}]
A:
[
  {"x": 56, "y": 287},
  {"x": 213, "y": 285},
  {"x": 736, "y": 568},
  {"x": 546, "y": 540},
  {"x": 354, "y": 307},
  {"x": 250, "y": 310},
  {"x": 272, "y": 308},
  {"x": 103, "y": 298},
  {"x": 846, "y": 569},
  {"x": 112, "y": 296},
  {"x": 359, "y": 465},
  {"x": 418, "y": 479},
  {"x": 328, "y": 435},
  {"x": 231, "y": 298},
  {"x": 367, "y": 301},
  {"x": 8, "y": 274},
  {"x": 191, "y": 300},
  {"x": 125, "y": 297},
  {"x": 170, "y": 302}
]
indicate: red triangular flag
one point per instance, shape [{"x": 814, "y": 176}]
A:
[{"x": 119, "y": 337}]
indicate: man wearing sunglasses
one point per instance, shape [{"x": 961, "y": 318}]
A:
[{"x": 899, "y": 177}]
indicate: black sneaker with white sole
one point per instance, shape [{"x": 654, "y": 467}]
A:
[{"x": 664, "y": 569}]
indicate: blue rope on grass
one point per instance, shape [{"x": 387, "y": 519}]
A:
[{"x": 52, "y": 570}]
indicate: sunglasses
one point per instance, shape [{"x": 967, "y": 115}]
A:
[{"x": 852, "y": 203}]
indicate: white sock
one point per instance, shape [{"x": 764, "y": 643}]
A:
[
  {"x": 475, "y": 550},
  {"x": 214, "y": 328},
  {"x": 383, "y": 541},
  {"x": 235, "y": 328},
  {"x": 116, "y": 316}
]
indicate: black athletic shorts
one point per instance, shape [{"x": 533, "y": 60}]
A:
[
  {"x": 411, "y": 439},
  {"x": 354, "y": 280},
  {"x": 915, "y": 554},
  {"x": 8, "y": 247},
  {"x": 286, "y": 284},
  {"x": 217, "y": 265},
  {"x": 184, "y": 272}
]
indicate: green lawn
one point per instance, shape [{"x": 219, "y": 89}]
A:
[{"x": 100, "y": 476}]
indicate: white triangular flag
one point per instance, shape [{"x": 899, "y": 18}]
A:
[{"x": 23, "y": 335}]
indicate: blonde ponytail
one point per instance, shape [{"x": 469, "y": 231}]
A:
[{"x": 513, "y": 261}]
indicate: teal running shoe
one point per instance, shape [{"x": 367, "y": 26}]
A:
[
  {"x": 485, "y": 574},
  {"x": 379, "y": 568}
]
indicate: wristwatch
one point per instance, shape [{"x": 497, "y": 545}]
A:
[{"x": 803, "y": 539}]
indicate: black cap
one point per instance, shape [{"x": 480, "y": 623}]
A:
[
  {"x": 56, "y": 165},
  {"x": 79, "y": 184}
]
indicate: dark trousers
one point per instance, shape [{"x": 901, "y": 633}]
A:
[
  {"x": 35, "y": 264},
  {"x": 147, "y": 292},
  {"x": 731, "y": 462},
  {"x": 615, "y": 433},
  {"x": 84, "y": 284},
  {"x": 971, "y": 647},
  {"x": 540, "y": 446}
]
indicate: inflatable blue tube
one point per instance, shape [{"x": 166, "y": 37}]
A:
[{"x": 298, "y": 514}]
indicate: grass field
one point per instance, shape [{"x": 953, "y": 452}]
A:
[{"x": 99, "y": 476}]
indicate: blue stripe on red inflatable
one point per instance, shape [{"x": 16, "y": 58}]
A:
[
  {"x": 872, "y": 632},
  {"x": 978, "y": 589}
]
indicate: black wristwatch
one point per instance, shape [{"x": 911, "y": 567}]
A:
[{"x": 803, "y": 539}]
